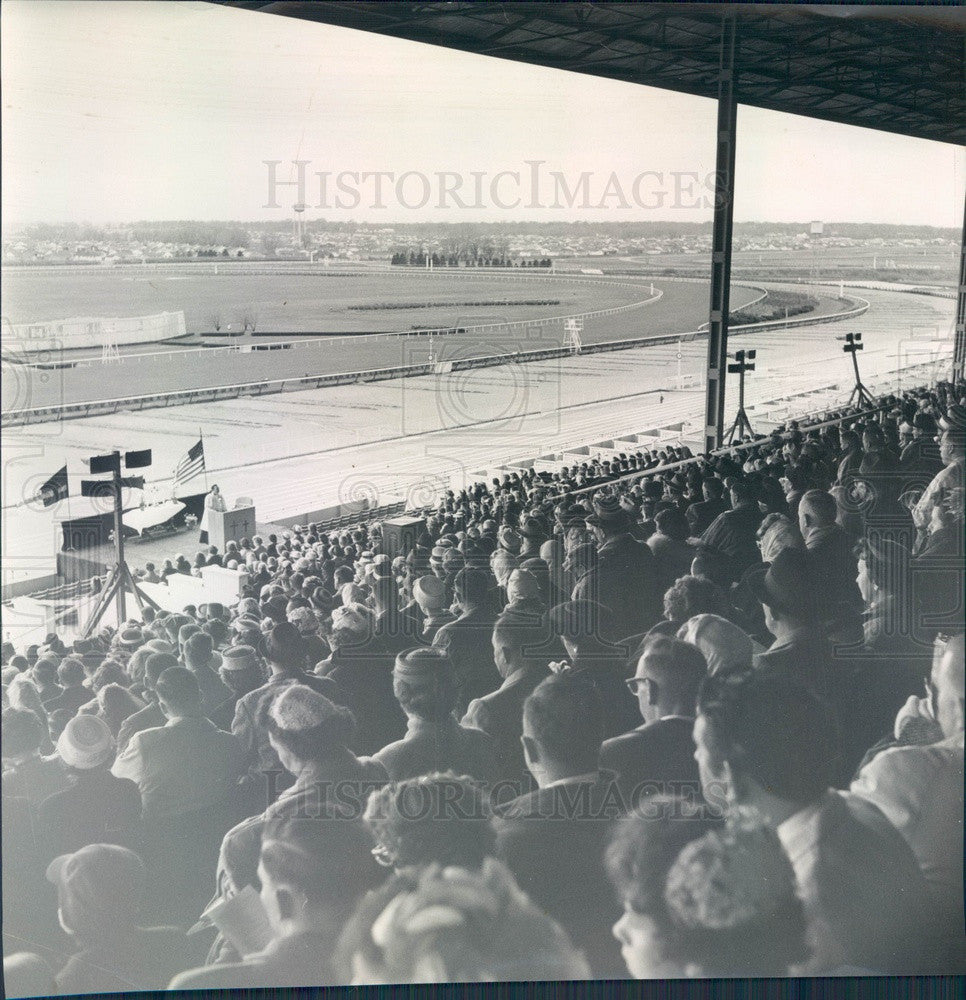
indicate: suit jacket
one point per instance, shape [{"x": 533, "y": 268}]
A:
[
  {"x": 468, "y": 641},
  {"x": 70, "y": 698},
  {"x": 805, "y": 656},
  {"x": 445, "y": 746},
  {"x": 733, "y": 534},
  {"x": 213, "y": 689},
  {"x": 143, "y": 958},
  {"x": 394, "y": 631},
  {"x": 149, "y": 717},
  {"x": 363, "y": 677},
  {"x": 921, "y": 457},
  {"x": 185, "y": 766},
  {"x": 832, "y": 572},
  {"x": 253, "y": 737},
  {"x": 701, "y": 514},
  {"x": 553, "y": 840},
  {"x": 286, "y": 963},
  {"x": 609, "y": 672},
  {"x": 654, "y": 759},
  {"x": 672, "y": 559},
  {"x": 624, "y": 581},
  {"x": 500, "y": 714},
  {"x": 97, "y": 808}
]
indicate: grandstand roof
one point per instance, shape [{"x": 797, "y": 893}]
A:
[{"x": 894, "y": 68}]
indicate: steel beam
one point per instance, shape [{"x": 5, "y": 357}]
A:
[
  {"x": 959, "y": 344},
  {"x": 724, "y": 190}
]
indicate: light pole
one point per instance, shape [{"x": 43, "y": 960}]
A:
[
  {"x": 744, "y": 362},
  {"x": 120, "y": 576},
  {"x": 853, "y": 344}
]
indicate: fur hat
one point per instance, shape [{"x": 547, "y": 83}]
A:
[
  {"x": 509, "y": 539},
  {"x": 299, "y": 708},
  {"x": 304, "y": 620},
  {"x": 726, "y": 648},
  {"x": 352, "y": 617}
]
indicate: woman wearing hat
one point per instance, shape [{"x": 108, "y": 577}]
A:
[
  {"x": 361, "y": 671},
  {"x": 704, "y": 902},
  {"x": 97, "y": 807},
  {"x": 446, "y": 925}
]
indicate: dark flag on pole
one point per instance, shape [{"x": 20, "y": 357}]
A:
[{"x": 55, "y": 489}]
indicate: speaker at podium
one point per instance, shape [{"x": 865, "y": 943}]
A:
[{"x": 231, "y": 525}]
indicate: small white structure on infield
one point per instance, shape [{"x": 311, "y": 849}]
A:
[{"x": 574, "y": 327}]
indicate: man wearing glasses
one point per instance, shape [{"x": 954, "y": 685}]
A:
[{"x": 657, "y": 758}]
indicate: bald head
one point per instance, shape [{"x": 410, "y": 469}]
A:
[{"x": 947, "y": 678}]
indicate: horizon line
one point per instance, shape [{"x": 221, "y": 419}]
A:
[{"x": 382, "y": 223}]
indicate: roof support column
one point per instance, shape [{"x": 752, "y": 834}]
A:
[
  {"x": 959, "y": 345},
  {"x": 721, "y": 240}
]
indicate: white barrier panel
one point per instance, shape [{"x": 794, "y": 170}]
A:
[
  {"x": 223, "y": 585},
  {"x": 90, "y": 331},
  {"x": 215, "y": 584}
]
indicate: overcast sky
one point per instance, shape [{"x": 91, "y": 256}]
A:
[{"x": 117, "y": 111}]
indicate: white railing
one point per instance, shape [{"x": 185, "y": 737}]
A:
[{"x": 63, "y": 411}]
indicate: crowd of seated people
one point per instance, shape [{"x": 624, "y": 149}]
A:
[{"x": 661, "y": 717}]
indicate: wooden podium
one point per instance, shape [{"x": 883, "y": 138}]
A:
[
  {"x": 399, "y": 534},
  {"x": 230, "y": 526}
]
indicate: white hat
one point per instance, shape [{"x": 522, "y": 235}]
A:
[
  {"x": 86, "y": 742},
  {"x": 429, "y": 588},
  {"x": 299, "y": 708},
  {"x": 354, "y": 617}
]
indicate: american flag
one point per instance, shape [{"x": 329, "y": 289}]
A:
[{"x": 192, "y": 464}]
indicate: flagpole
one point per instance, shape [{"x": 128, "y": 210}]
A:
[
  {"x": 67, "y": 498},
  {"x": 204, "y": 461}
]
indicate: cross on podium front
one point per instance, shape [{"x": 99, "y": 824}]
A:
[{"x": 230, "y": 526}]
